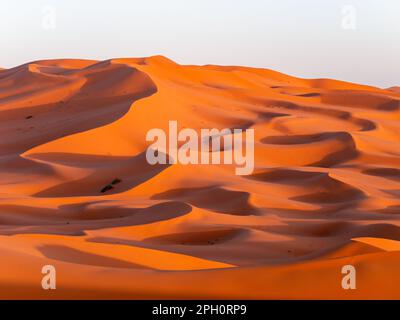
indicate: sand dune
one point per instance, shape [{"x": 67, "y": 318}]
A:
[
  {"x": 77, "y": 192},
  {"x": 395, "y": 89}
]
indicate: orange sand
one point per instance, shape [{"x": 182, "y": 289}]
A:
[{"x": 325, "y": 191}]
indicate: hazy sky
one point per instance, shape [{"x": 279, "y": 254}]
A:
[{"x": 350, "y": 40}]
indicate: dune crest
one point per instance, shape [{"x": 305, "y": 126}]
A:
[{"x": 76, "y": 190}]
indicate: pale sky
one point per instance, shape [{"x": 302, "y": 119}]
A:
[{"x": 305, "y": 38}]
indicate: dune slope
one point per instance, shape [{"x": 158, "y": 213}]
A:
[{"x": 77, "y": 192}]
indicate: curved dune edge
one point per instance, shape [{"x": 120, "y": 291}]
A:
[
  {"x": 77, "y": 251},
  {"x": 308, "y": 280},
  {"x": 77, "y": 192},
  {"x": 384, "y": 244}
]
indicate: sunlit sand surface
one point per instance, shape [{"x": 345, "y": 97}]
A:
[{"x": 77, "y": 192}]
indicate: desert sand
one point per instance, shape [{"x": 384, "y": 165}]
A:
[{"x": 325, "y": 191}]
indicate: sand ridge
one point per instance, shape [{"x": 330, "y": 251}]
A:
[{"x": 77, "y": 192}]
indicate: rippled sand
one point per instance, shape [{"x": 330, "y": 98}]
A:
[{"x": 77, "y": 192}]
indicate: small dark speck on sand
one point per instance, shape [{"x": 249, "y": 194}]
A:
[
  {"x": 116, "y": 181},
  {"x": 29, "y": 117},
  {"x": 107, "y": 188}
]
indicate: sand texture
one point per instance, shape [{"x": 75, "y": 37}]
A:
[{"x": 77, "y": 192}]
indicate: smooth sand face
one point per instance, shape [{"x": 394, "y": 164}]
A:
[{"x": 325, "y": 191}]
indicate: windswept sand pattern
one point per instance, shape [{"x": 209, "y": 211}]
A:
[{"x": 77, "y": 192}]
